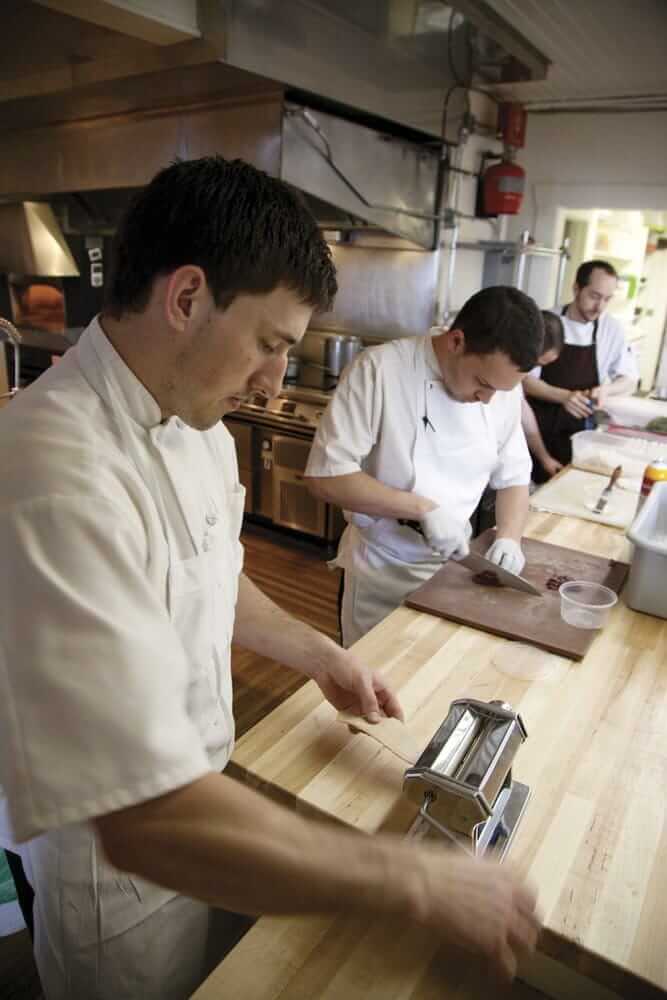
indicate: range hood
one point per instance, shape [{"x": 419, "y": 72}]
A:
[
  {"x": 344, "y": 101},
  {"x": 33, "y": 243}
]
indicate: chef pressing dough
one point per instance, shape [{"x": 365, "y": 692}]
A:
[
  {"x": 389, "y": 733},
  {"x": 121, "y": 591},
  {"x": 416, "y": 430}
]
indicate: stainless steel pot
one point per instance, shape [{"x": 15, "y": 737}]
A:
[{"x": 339, "y": 350}]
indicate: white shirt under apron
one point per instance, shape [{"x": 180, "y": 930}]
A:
[{"x": 118, "y": 583}]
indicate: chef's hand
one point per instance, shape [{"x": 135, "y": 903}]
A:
[
  {"x": 507, "y": 553},
  {"x": 600, "y": 395},
  {"x": 578, "y": 403},
  {"x": 481, "y": 907},
  {"x": 350, "y": 686},
  {"x": 446, "y": 536},
  {"x": 551, "y": 466}
]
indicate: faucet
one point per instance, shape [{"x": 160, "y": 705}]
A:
[{"x": 10, "y": 335}]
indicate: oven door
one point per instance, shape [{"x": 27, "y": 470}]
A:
[{"x": 293, "y": 505}]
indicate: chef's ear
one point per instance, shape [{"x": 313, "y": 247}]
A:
[
  {"x": 185, "y": 289},
  {"x": 456, "y": 341}
]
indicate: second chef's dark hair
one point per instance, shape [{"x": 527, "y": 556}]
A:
[
  {"x": 502, "y": 319},
  {"x": 247, "y": 231},
  {"x": 554, "y": 332}
]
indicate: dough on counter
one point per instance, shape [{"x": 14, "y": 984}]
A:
[
  {"x": 528, "y": 663},
  {"x": 391, "y": 733}
]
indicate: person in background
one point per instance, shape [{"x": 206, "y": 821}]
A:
[
  {"x": 415, "y": 431},
  {"x": 554, "y": 339},
  {"x": 121, "y": 591},
  {"x": 595, "y": 363}
]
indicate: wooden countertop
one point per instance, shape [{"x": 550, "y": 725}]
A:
[{"x": 593, "y": 839}]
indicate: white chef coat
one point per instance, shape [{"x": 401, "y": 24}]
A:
[
  {"x": 614, "y": 355},
  {"x": 120, "y": 550},
  {"x": 374, "y": 424}
]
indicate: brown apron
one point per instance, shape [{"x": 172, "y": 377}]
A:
[{"x": 575, "y": 368}]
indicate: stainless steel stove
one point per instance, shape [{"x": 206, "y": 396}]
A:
[
  {"x": 298, "y": 408},
  {"x": 273, "y": 440}
]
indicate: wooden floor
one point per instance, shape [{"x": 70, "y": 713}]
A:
[
  {"x": 295, "y": 575},
  {"x": 292, "y": 572}
]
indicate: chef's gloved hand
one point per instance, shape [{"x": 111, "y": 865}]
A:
[
  {"x": 507, "y": 553},
  {"x": 446, "y": 536}
]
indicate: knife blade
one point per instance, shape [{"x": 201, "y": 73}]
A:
[{"x": 478, "y": 564}]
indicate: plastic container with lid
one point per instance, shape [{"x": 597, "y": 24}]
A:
[
  {"x": 584, "y": 604},
  {"x": 646, "y": 589}
]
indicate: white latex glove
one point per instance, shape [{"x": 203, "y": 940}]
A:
[
  {"x": 445, "y": 535},
  {"x": 507, "y": 553}
]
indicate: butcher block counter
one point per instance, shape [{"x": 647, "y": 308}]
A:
[{"x": 593, "y": 839}]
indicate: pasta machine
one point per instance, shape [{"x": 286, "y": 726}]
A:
[{"x": 463, "y": 782}]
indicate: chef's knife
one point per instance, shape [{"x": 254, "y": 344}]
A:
[{"x": 478, "y": 564}]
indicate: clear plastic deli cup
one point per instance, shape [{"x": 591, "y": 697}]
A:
[{"x": 585, "y": 605}]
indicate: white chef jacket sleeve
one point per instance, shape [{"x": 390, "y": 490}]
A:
[
  {"x": 514, "y": 464},
  {"x": 616, "y": 357},
  {"x": 93, "y": 676},
  {"x": 349, "y": 427}
]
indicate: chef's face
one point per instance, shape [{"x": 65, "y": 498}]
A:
[
  {"x": 473, "y": 378},
  {"x": 233, "y": 353},
  {"x": 592, "y": 300}
]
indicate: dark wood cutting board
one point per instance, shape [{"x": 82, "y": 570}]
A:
[{"x": 451, "y": 593}]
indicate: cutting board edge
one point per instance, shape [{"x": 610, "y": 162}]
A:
[{"x": 526, "y": 640}]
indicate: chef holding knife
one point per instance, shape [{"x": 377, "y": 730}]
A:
[{"x": 415, "y": 431}]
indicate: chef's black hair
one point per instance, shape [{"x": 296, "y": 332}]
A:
[
  {"x": 554, "y": 332},
  {"x": 247, "y": 231},
  {"x": 502, "y": 319},
  {"x": 585, "y": 270}
]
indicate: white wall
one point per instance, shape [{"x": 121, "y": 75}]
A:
[{"x": 616, "y": 161}]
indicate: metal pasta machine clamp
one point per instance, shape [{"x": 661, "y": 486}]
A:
[{"x": 463, "y": 781}]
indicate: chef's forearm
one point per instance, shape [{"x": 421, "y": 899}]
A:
[
  {"x": 225, "y": 844},
  {"x": 537, "y": 447},
  {"x": 363, "y": 494},
  {"x": 531, "y": 429},
  {"x": 511, "y": 512},
  {"x": 538, "y": 389},
  {"x": 265, "y": 628}
]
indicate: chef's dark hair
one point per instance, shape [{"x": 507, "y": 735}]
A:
[
  {"x": 502, "y": 319},
  {"x": 247, "y": 231},
  {"x": 584, "y": 271},
  {"x": 554, "y": 332}
]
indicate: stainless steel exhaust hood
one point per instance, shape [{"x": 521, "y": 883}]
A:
[{"x": 32, "y": 243}]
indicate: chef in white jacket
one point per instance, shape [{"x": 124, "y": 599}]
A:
[
  {"x": 416, "y": 430},
  {"x": 121, "y": 589}
]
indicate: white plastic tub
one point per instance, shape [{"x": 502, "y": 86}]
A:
[
  {"x": 584, "y": 604},
  {"x": 646, "y": 589},
  {"x": 598, "y": 451}
]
